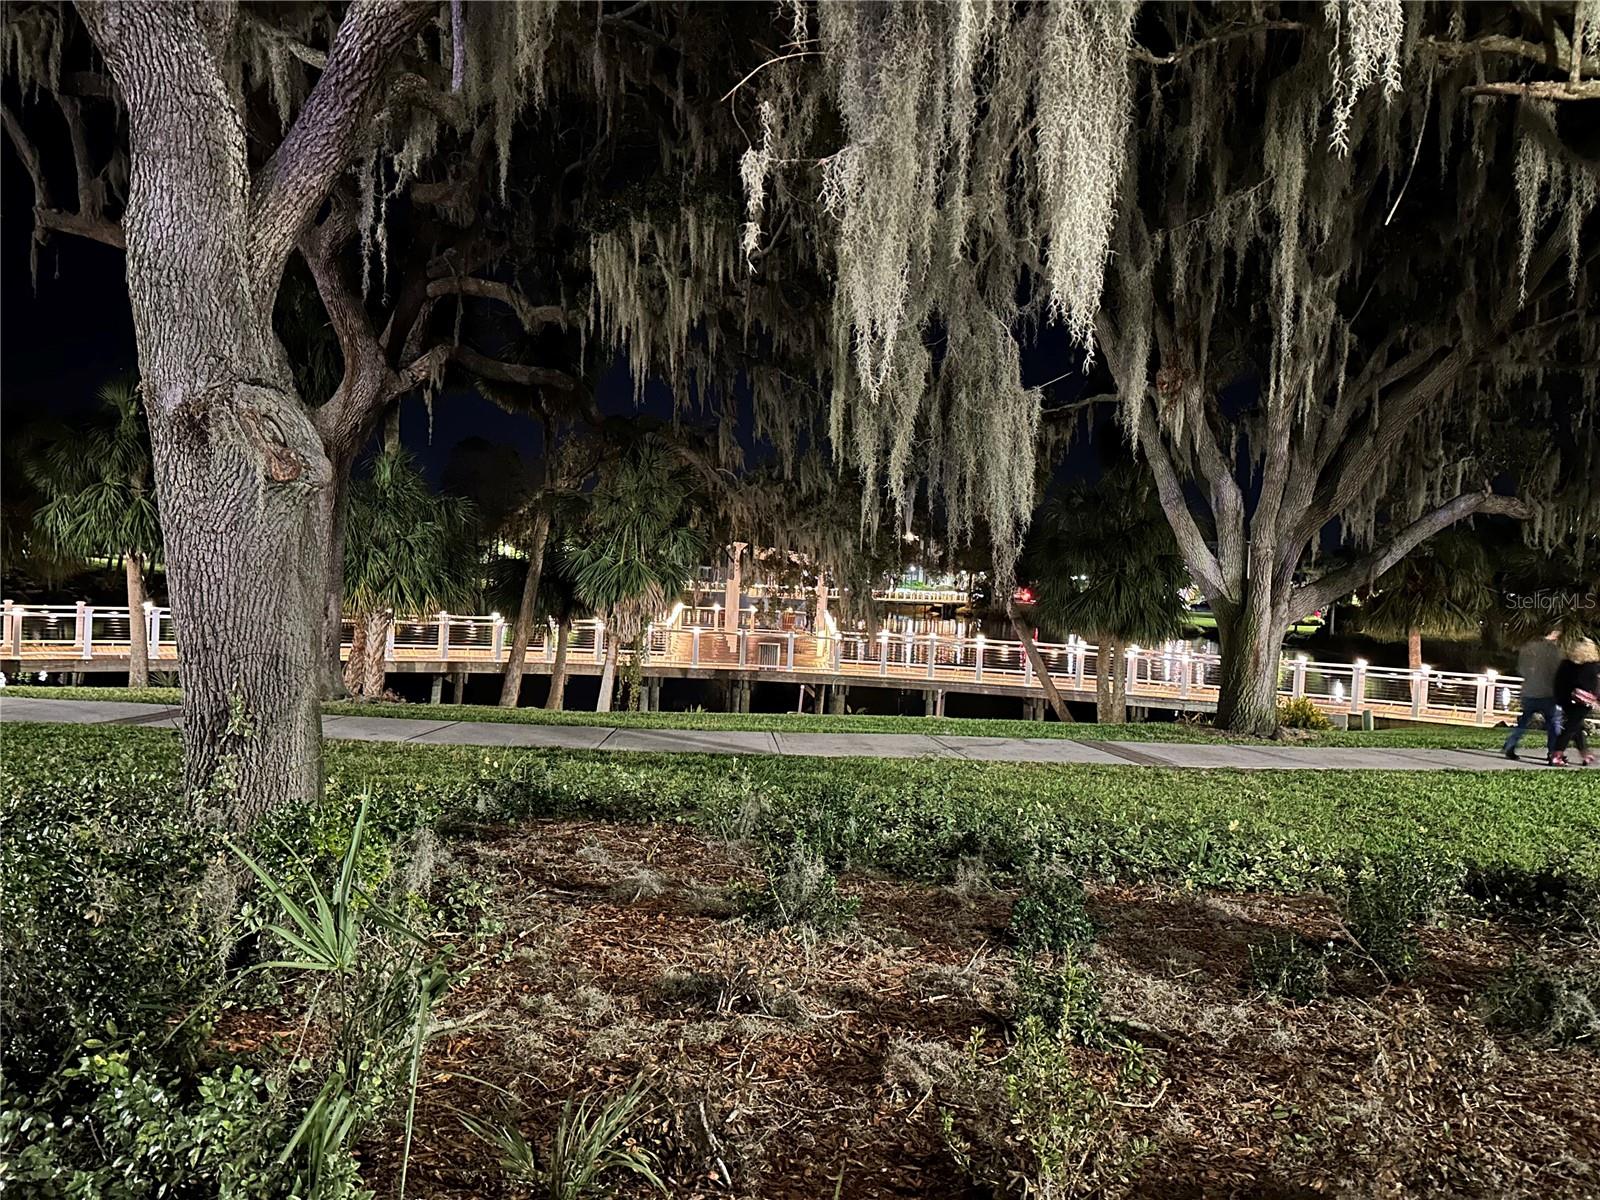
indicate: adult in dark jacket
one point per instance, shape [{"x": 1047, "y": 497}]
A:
[
  {"x": 1537, "y": 663},
  {"x": 1577, "y": 683}
]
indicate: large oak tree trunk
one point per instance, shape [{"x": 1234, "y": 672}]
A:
[
  {"x": 1111, "y": 682},
  {"x": 608, "y": 673},
  {"x": 241, "y": 473},
  {"x": 138, "y": 622},
  {"x": 1252, "y": 650},
  {"x": 522, "y": 631},
  {"x": 558, "y": 670}
]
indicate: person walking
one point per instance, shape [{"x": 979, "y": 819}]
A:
[
  {"x": 1577, "y": 681},
  {"x": 1537, "y": 662}
]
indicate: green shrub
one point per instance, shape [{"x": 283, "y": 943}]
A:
[
  {"x": 800, "y": 894},
  {"x": 1301, "y": 713},
  {"x": 1050, "y": 914},
  {"x": 1557, "y": 1005},
  {"x": 1290, "y": 968},
  {"x": 1034, "y": 1123},
  {"x": 1385, "y": 899},
  {"x": 1062, "y": 994},
  {"x": 110, "y": 911},
  {"x": 104, "y": 1129}
]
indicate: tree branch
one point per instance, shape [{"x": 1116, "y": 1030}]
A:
[
  {"x": 1319, "y": 593},
  {"x": 532, "y": 316},
  {"x": 1140, "y": 54},
  {"x": 294, "y": 181},
  {"x": 1588, "y": 89},
  {"x": 46, "y": 217},
  {"x": 507, "y": 372},
  {"x": 1191, "y": 543},
  {"x": 1542, "y": 53}
]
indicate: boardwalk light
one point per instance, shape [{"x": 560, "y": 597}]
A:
[{"x": 494, "y": 616}]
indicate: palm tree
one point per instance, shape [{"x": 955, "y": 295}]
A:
[
  {"x": 100, "y": 500},
  {"x": 557, "y": 601},
  {"x": 1536, "y": 592},
  {"x": 1105, "y": 566},
  {"x": 1443, "y": 588},
  {"x": 408, "y": 551},
  {"x": 635, "y": 549}
]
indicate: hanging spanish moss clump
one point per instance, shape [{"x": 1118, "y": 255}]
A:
[
  {"x": 1367, "y": 36},
  {"x": 505, "y": 65},
  {"x": 656, "y": 277},
  {"x": 980, "y": 141},
  {"x": 1551, "y": 187},
  {"x": 1083, "y": 96},
  {"x": 30, "y": 48}
]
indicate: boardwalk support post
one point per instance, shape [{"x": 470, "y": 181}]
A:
[{"x": 1358, "y": 684}]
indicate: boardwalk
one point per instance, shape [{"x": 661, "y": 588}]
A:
[
  {"x": 81, "y": 638},
  {"x": 1180, "y": 755}
]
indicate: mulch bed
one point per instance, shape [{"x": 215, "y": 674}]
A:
[{"x": 774, "y": 1058}]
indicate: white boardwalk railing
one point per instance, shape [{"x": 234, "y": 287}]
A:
[{"x": 1169, "y": 676}]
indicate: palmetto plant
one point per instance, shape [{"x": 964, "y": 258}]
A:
[
  {"x": 100, "y": 499},
  {"x": 408, "y": 552},
  {"x": 636, "y": 548},
  {"x": 1107, "y": 569},
  {"x": 382, "y": 985},
  {"x": 1443, "y": 588},
  {"x": 590, "y": 1140}
]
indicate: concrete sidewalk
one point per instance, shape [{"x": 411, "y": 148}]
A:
[{"x": 1259, "y": 757}]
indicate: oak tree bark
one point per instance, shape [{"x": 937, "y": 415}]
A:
[{"x": 241, "y": 473}]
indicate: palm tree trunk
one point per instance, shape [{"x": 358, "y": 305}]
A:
[
  {"x": 356, "y": 665},
  {"x": 1040, "y": 671},
  {"x": 1111, "y": 683},
  {"x": 608, "y": 674},
  {"x": 522, "y": 631},
  {"x": 1414, "y": 648},
  {"x": 558, "y": 670},
  {"x": 377, "y": 655},
  {"x": 138, "y": 623}
]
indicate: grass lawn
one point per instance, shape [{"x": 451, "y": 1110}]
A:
[
  {"x": 598, "y": 913},
  {"x": 920, "y": 817},
  {"x": 1426, "y": 736}
]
